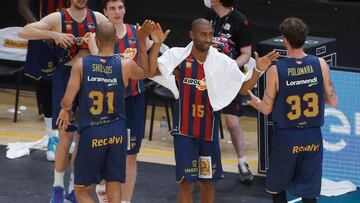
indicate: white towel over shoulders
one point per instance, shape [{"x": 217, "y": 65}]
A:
[{"x": 223, "y": 77}]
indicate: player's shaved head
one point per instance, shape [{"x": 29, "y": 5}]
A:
[
  {"x": 105, "y": 33},
  {"x": 197, "y": 23}
]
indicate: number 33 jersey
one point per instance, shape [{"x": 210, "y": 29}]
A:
[
  {"x": 101, "y": 97},
  {"x": 300, "y": 100},
  {"x": 193, "y": 115}
]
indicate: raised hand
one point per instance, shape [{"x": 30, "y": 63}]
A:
[
  {"x": 145, "y": 29},
  {"x": 158, "y": 35},
  {"x": 263, "y": 63}
]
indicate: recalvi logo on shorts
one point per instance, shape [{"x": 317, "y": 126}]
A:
[
  {"x": 106, "y": 141},
  {"x": 305, "y": 148}
]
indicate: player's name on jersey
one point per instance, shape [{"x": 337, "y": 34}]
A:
[
  {"x": 300, "y": 70},
  {"x": 309, "y": 82},
  {"x": 102, "y": 69},
  {"x": 306, "y": 148}
]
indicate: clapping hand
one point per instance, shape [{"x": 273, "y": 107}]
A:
[
  {"x": 158, "y": 35},
  {"x": 263, "y": 63}
]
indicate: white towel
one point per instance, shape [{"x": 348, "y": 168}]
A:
[
  {"x": 20, "y": 149},
  {"x": 223, "y": 77},
  {"x": 331, "y": 188}
]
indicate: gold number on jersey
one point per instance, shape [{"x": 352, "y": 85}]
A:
[
  {"x": 198, "y": 110},
  {"x": 98, "y": 102},
  {"x": 312, "y": 109}
]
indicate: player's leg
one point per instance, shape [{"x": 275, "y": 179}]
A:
[
  {"x": 207, "y": 192},
  {"x": 113, "y": 189},
  {"x": 185, "y": 192},
  {"x": 84, "y": 194},
  {"x": 232, "y": 120},
  {"x": 71, "y": 193},
  {"x": 135, "y": 108}
]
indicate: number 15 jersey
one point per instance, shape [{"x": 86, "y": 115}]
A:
[
  {"x": 193, "y": 114},
  {"x": 101, "y": 97},
  {"x": 300, "y": 100}
]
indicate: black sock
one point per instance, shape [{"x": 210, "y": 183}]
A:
[
  {"x": 279, "y": 198},
  {"x": 306, "y": 200}
]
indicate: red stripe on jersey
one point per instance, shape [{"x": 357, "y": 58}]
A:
[
  {"x": 69, "y": 30},
  {"x": 198, "y": 102},
  {"x": 60, "y": 5},
  {"x": 209, "y": 121},
  {"x": 51, "y": 6},
  {"x": 134, "y": 83},
  {"x": 185, "y": 106}
]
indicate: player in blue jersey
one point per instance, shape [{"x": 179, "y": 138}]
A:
[
  {"x": 297, "y": 89},
  {"x": 196, "y": 124},
  {"x": 101, "y": 81}
]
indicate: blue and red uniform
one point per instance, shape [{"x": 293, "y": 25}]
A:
[
  {"x": 127, "y": 48},
  {"x": 296, "y": 145},
  {"x": 102, "y": 122},
  {"x": 196, "y": 125},
  {"x": 62, "y": 71},
  {"x": 40, "y": 58}
]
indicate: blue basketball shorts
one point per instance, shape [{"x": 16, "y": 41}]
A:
[
  {"x": 135, "y": 115},
  {"x": 40, "y": 60},
  {"x": 197, "y": 159},
  {"x": 295, "y": 162},
  {"x": 60, "y": 80},
  {"x": 101, "y": 154}
]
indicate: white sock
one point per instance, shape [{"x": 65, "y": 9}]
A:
[
  {"x": 125, "y": 201},
  {"x": 242, "y": 160},
  {"x": 48, "y": 126},
  {"x": 71, "y": 183},
  {"x": 59, "y": 179}
]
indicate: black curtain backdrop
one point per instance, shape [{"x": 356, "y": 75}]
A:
[{"x": 335, "y": 19}]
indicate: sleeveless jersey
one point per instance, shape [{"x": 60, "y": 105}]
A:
[
  {"x": 300, "y": 100},
  {"x": 101, "y": 97},
  {"x": 127, "y": 48},
  {"x": 79, "y": 30},
  {"x": 194, "y": 116}
]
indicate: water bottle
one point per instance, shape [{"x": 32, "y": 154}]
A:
[{"x": 163, "y": 123}]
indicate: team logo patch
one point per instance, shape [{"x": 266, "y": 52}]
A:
[
  {"x": 205, "y": 167},
  {"x": 91, "y": 25}
]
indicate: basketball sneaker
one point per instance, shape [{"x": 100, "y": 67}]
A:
[
  {"x": 51, "y": 148},
  {"x": 245, "y": 174},
  {"x": 71, "y": 197},
  {"x": 101, "y": 193},
  {"x": 57, "y": 195}
]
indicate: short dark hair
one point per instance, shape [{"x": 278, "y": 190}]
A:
[
  {"x": 227, "y": 3},
  {"x": 295, "y": 31},
  {"x": 106, "y": 33},
  {"x": 105, "y": 2}
]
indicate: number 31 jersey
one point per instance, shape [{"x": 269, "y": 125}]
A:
[
  {"x": 193, "y": 114},
  {"x": 101, "y": 97},
  {"x": 300, "y": 100}
]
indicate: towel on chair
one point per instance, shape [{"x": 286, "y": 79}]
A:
[{"x": 223, "y": 77}]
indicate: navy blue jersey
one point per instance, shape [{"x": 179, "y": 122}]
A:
[
  {"x": 101, "y": 97},
  {"x": 300, "y": 100},
  {"x": 193, "y": 115}
]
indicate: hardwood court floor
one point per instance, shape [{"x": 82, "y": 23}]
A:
[{"x": 30, "y": 127}]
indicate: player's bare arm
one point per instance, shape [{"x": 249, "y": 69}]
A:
[
  {"x": 143, "y": 33},
  {"x": 72, "y": 89},
  {"x": 330, "y": 92},
  {"x": 245, "y": 53},
  {"x": 158, "y": 36},
  {"x": 265, "y": 105},
  {"x": 262, "y": 64},
  {"x": 48, "y": 27}
]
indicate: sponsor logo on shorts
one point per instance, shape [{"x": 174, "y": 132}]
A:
[
  {"x": 106, "y": 141},
  {"x": 306, "y": 148}
]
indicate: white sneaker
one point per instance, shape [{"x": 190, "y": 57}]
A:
[{"x": 101, "y": 193}]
